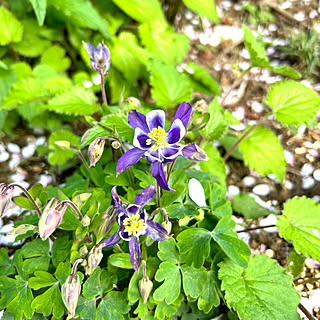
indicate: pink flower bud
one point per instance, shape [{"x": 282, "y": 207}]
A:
[
  {"x": 95, "y": 151},
  {"x": 145, "y": 288},
  {"x": 70, "y": 292},
  {"x": 51, "y": 218},
  {"x": 94, "y": 259},
  {"x": 6, "y": 194},
  {"x": 106, "y": 225}
]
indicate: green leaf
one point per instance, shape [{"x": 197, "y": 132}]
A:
[
  {"x": 7, "y": 79},
  {"x": 169, "y": 197},
  {"x": 26, "y": 90},
  {"x": 293, "y": 103},
  {"x": 201, "y": 80},
  {"x": 11, "y": 29},
  {"x": 61, "y": 249},
  {"x": 39, "y": 7},
  {"x": 24, "y": 202},
  {"x": 179, "y": 210},
  {"x": 86, "y": 308},
  {"x": 300, "y": 223},
  {"x": 120, "y": 260},
  {"x": 236, "y": 249},
  {"x": 75, "y": 101},
  {"x": 55, "y": 58},
  {"x": 193, "y": 280},
  {"x": 205, "y": 8},
  {"x": 195, "y": 244},
  {"x": 5, "y": 263},
  {"x": 295, "y": 264},
  {"x": 42, "y": 279},
  {"x": 165, "y": 311},
  {"x": 209, "y": 297},
  {"x": 62, "y": 272},
  {"x": 98, "y": 283},
  {"x": 16, "y": 297},
  {"x": 168, "y": 251},
  {"x": 170, "y": 289},
  {"x": 251, "y": 291},
  {"x": 169, "y": 87},
  {"x": 70, "y": 219},
  {"x": 82, "y": 13},
  {"x": 142, "y": 10},
  {"x": 263, "y": 152},
  {"x": 113, "y": 306},
  {"x": 246, "y": 205},
  {"x": 160, "y": 39},
  {"x": 37, "y": 254}
]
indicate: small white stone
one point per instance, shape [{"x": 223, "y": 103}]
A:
[
  {"x": 279, "y": 42},
  {"x": 15, "y": 160},
  {"x": 4, "y": 156},
  {"x": 239, "y": 113},
  {"x": 273, "y": 27},
  {"x": 316, "y": 175},
  {"x": 238, "y": 127},
  {"x": 307, "y": 169},
  {"x": 261, "y": 189},
  {"x": 286, "y": 5},
  {"x": 40, "y": 141},
  {"x": 313, "y": 152},
  {"x": 13, "y": 148},
  {"x": 45, "y": 180},
  {"x": 7, "y": 228},
  {"x": 244, "y": 65},
  {"x": 233, "y": 191},
  {"x": 307, "y": 182},
  {"x": 196, "y": 192},
  {"x": 17, "y": 177},
  {"x": 289, "y": 157},
  {"x": 28, "y": 151},
  {"x": 257, "y": 106},
  {"x": 244, "y": 53},
  {"x": 289, "y": 184},
  {"x": 87, "y": 84},
  {"x": 271, "y": 219},
  {"x": 300, "y": 16},
  {"x": 96, "y": 79},
  {"x": 316, "y": 198},
  {"x": 249, "y": 181}
]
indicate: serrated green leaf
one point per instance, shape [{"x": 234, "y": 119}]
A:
[
  {"x": 113, "y": 306},
  {"x": 236, "y": 249},
  {"x": 246, "y": 205},
  {"x": 195, "y": 244},
  {"x": 24, "y": 91},
  {"x": 120, "y": 260},
  {"x": 142, "y": 10},
  {"x": 133, "y": 288},
  {"x": 55, "y": 58},
  {"x": 180, "y": 210},
  {"x": 286, "y": 71},
  {"x": 295, "y": 264},
  {"x": 251, "y": 291},
  {"x": 82, "y": 13},
  {"x": 16, "y": 297},
  {"x": 205, "y": 8},
  {"x": 39, "y": 7},
  {"x": 168, "y": 251},
  {"x": 209, "y": 297},
  {"x": 263, "y": 152},
  {"x": 193, "y": 280},
  {"x": 11, "y": 29},
  {"x": 42, "y": 279},
  {"x": 169, "y": 87},
  {"x": 62, "y": 272},
  {"x": 86, "y": 308},
  {"x": 162, "y": 41},
  {"x": 300, "y": 223},
  {"x": 5, "y": 263},
  {"x": 293, "y": 103},
  {"x": 76, "y": 101},
  {"x": 7, "y": 79},
  {"x": 164, "y": 311},
  {"x": 169, "y": 197},
  {"x": 170, "y": 288},
  {"x": 61, "y": 249}
]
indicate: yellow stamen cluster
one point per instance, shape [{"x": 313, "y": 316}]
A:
[
  {"x": 134, "y": 225},
  {"x": 158, "y": 136}
]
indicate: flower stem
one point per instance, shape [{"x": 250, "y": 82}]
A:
[
  {"x": 74, "y": 268},
  {"x": 305, "y": 311},
  {"x": 75, "y": 208},
  {"x": 170, "y": 170},
  {"x": 104, "y": 97},
  {"x": 256, "y": 228},
  {"x": 83, "y": 160},
  {"x": 158, "y": 195},
  {"x": 28, "y": 196},
  {"x": 228, "y": 154}
]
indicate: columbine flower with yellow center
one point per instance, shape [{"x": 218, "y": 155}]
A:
[
  {"x": 153, "y": 142},
  {"x": 134, "y": 222}
]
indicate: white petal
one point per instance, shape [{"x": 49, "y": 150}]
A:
[{"x": 196, "y": 192}]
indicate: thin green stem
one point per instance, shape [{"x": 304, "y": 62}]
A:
[
  {"x": 158, "y": 195},
  {"x": 257, "y": 228},
  {"x": 170, "y": 170},
  {"x": 103, "y": 90},
  {"x": 74, "y": 207},
  {"x": 83, "y": 160},
  {"x": 28, "y": 196}
]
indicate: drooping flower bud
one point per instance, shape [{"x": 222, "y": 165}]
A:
[
  {"x": 85, "y": 221},
  {"x": 145, "y": 285},
  {"x": 6, "y": 194},
  {"x": 99, "y": 57},
  {"x": 134, "y": 103},
  {"x": 51, "y": 217},
  {"x": 70, "y": 290},
  {"x": 116, "y": 144},
  {"x": 167, "y": 226},
  {"x": 106, "y": 225},
  {"x": 95, "y": 151},
  {"x": 94, "y": 259},
  {"x": 201, "y": 106}
]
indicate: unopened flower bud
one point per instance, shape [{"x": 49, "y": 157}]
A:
[
  {"x": 85, "y": 221},
  {"x": 51, "y": 218},
  {"x": 201, "y": 106},
  {"x": 167, "y": 226},
  {"x": 71, "y": 289},
  {"x": 6, "y": 194},
  {"x": 94, "y": 259},
  {"x": 145, "y": 288},
  {"x": 134, "y": 103},
  {"x": 199, "y": 155},
  {"x": 116, "y": 144},
  {"x": 23, "y": 228},
  {"x": 83, "y": 251},
  {"x": 106, "y": 225},
  {"x": 95, "y": 151},
  {"x": 63, "y": 144}
]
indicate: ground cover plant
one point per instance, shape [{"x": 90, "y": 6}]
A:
[{"x": 141, "y": 228}]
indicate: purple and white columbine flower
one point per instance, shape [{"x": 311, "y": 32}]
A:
[
  {"x": 134, "y": 222},
  {"x": 151, "y": 141},
  {"x": 99, "y": 57}
]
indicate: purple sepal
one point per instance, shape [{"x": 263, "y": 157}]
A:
[
  {"x": 135, "y": 253},
  {"x": 158, "y": 173},
  {"x": 145, "y": 196},
  {"x": 156, "y": 231},
  {"x": 113, "y": 240},
  {"x": 189, "y": 150},
  {"x": 176, "y": 132},
  {"x": 130, "y": 158},
  {"x": 138, "y": 120},
  {"x": 155, "y": 119},
  {"x": 183, "y": 113},
  {"x": 171, "y": 153}
]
